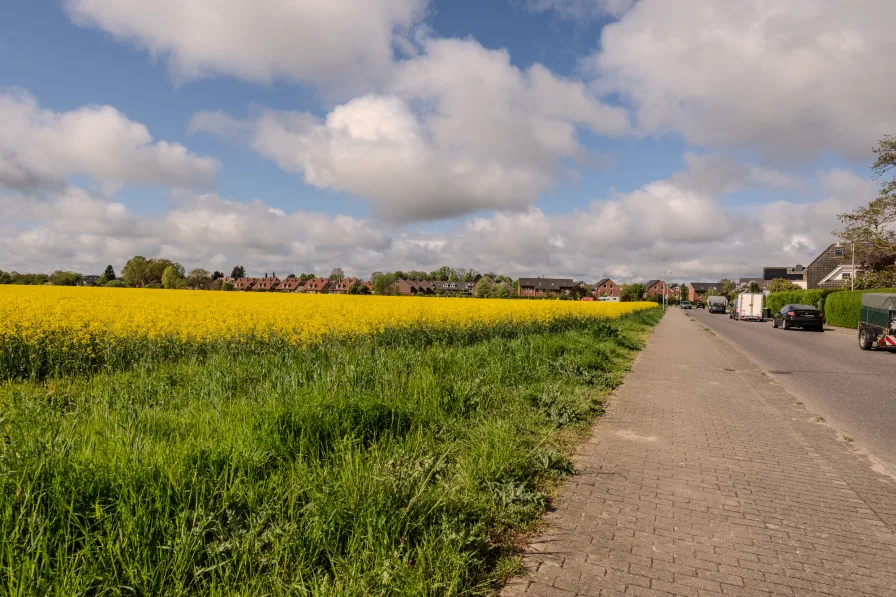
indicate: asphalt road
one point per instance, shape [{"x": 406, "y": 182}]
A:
[{"x": 854, "y": 390}]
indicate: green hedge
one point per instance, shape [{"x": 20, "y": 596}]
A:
[
  {"x": 776, "y": 300},
  {"x": 845, "y": 308}
]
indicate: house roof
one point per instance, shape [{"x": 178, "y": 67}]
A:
[
  {"x": 317, "y": 284},
  {"x": 603, "y": 281},
  {"x": 291, "y": 284},
  {"x": 547, "y": 283},
  {"x": 652, "y": 283},
  {"x": 703, "y": 286}
]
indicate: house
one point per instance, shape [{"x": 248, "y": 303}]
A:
[
  {"x": 293, "y": 284},
  {"x": 266, "y": 284},
  {"x": 658, "y": 288},
  {"x": 831, "y": 269},
  {"x": 344, "y": 285},
  {"x": 606, "y": 287},
  {"x": 317, "y": 286},
  {"x": 697, "y": 290},
  {"x": 244, "y": 284},
  {"x": 88, "y": 280},
  {"x": 541, "y": 287},
  {"x": 793, "y": 274},
  {"x": 413, "y": 287},
  {"x": 453, "y": 287}
]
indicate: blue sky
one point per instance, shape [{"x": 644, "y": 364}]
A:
[{"x": 577, "y": 137}]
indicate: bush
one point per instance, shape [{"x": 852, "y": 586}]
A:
[
  {"x": 227, "y": 286},
  {"x": 114, "y": 284},
  {"x": 776, "y": 300},
  {"x": 844, "y": 309}
]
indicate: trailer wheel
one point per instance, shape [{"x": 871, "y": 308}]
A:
[{"x": 864, "y": 340}]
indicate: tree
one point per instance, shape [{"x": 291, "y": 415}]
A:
[
  {"x": 134, "y": 271},
  {"x": 172, "y": 278},
  {"x": 382, "y": 284},
  {"x": 443, "y": 274},
  {"x": 65, "y": 278},
  {"x": 755, "y": 288},
  {"x": 782, "y": 285},
  {"x": 483, "y": 288},
  {"x": 502, "y": 290},
  {"x": 632, "y": 292},
  {"x": 304, "y": 277},
  {"x": 109, "y": 273},
  {"x": 198, "y": 279},
  {"x": 238, "y": 272},
  {"x": 872, "y": 229},
  {"x": 217, "y": 275},
  {"x": 337, "y": 274}
]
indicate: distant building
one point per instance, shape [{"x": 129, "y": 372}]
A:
[
  {"x": 794, "y": 274},
  {"x": 452, "y": 287},
  {"x": 606, "y": 287},
  {"x": 831, "y": 269},
  {"x": 316, "y": 286},
  {"x": 697, "y": 291},
  {"x": 658, "y": 288},
  {"x": 266, "y": 284},
  {"x": 413, "y": 287},
  {"x": 542, "y": 287}
]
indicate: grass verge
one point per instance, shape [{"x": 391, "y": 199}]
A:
[{"x": 334, "y": 470}]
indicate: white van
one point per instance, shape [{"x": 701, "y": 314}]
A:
[{"x": 612, "y": 299}]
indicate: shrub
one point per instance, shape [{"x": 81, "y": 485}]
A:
[
  {"x": 776, "y": 300},
  {"x": 114, "y": 284},
  {"x": 227, "y": 286},
  {"x": 844, "y": 309}
]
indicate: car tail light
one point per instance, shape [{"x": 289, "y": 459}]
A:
[
  {"x": 791, "y": 314},
  {"x": 819, "y": 314}
]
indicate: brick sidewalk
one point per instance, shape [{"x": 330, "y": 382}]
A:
[{"x": 706, "y": 478}]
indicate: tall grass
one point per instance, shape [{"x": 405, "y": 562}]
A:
[{"x": 339, "y": 469}]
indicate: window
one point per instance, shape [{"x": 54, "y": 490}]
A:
[
  {"x": 838, "y": 253},
  {"x": 846, "y": 275}
]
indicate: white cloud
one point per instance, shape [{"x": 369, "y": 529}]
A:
[
  {"x": 41, "y": 148},
  {"x": 789, "y": 80},
  {"x": 459, "y": 130},
  {"x": 341, "y": 44},
  {"x": 626, "y": 236},
  {"x": 581, "y": 10}
]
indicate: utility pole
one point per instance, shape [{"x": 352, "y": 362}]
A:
[
  {"x": 852, "y": 276},
  {"x": 665, "y": 285}
]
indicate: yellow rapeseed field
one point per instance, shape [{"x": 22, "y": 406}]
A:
[
  {"x": 33, "y": 312},
  {"x": 37, "y": 322}
]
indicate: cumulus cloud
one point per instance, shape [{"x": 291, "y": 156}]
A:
[
  {"x": 40, "y": 148},
  {"x": 340, "y": 44},
  {"x": 581, "y": 10},
  {"x": 788, "y": 80},
  {"x": 627, "y": 236},
  {"x": 458, "y": 130}
]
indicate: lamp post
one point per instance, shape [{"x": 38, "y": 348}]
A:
[
  {"x": 852, "y": 276},
  {"x": 665, "y": 286}
]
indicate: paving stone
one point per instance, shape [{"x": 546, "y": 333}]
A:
[{"x": 703, "y": 481}]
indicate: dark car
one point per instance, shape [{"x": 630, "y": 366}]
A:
[
  {"x": 701, "y": 305},
  {"x": 801, "y": 316}
]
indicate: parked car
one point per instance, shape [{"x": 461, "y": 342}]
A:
[
  {"x": 877, "y": 325},
  {"x": 803, "y": 316},
  {"x": 685, "y": 304},
  {"x": 701, "y": 305},
  {"x": 717, "y": 304}
]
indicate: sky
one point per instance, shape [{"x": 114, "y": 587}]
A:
[{"x": 564, "y": 138}]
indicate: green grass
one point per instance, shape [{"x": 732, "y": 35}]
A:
[{"x": 336, "y": 470}]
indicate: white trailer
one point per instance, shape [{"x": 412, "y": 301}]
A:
[{"x": 749, "y": 306}]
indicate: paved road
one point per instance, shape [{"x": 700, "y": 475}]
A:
[
  {"x": 854, "y": 390},
  {"x": 705, "y": 480}
]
